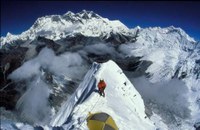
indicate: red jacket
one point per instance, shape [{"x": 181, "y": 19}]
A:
[{"x": 101, "y": 85}]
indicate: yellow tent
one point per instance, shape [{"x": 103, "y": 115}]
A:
[{"x": 101, "y": 121}]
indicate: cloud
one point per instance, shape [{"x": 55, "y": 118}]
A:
[
  {"x": 170, "y": 97},
  {"x": 66, "y": 64},
  {"x": 33, "y": 104},
  {"x": 100, "y": 49}
]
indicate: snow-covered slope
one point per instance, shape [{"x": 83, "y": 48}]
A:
[
  {"x": 56, "y": 27},
  {"x": 122, "y": 101}
]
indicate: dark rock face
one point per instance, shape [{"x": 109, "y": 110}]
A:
[
  {"x": 80, "y": 39},
  {"x": 134, "y": 64},
  {"x": 9, "y": 62},
  {"x": 98, "y": 58},
  {"x": 44, "y": 42},
  {"x": 118, "y": 38},
  {"x": 9, "y": 98},
  {"x": 197, "y": 126}
]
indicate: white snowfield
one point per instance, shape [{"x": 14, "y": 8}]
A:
[{"x": 122, "y": 101}]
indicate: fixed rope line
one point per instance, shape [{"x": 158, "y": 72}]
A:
[{"x": 80, "y": 125}]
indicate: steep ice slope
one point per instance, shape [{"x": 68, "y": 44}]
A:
[{"x": 122, "y": 101}]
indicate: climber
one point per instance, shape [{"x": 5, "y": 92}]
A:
[{"x": 101, "y": 87}]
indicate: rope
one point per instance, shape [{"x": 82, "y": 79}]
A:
[
  {"x": 80, "y": 125},
  {"x": 95, "y": 103}
]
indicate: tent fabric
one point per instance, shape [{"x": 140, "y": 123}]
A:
[
  {"x": 107, "y": 127},
  {"x": 100, "y": 117},
  {"x": 101, "y": 121}
]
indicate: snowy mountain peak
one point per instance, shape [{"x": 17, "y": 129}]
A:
[
  {"x": 88, "y": 14},
  {"x": 84, "y": 14},
  {"x": 9, "y": 34},
  {"x": 171, "y": 30},
  {"x": 181, "y": 32},
  {"x": 138, "y": 27},
  {"x": 90, "y": 24},
  {"x": 8, "y": 39},
  {"x": 69, "y": 13},
  {"x": 80, "y": 16},
  {"x": 56, "y": 27}
]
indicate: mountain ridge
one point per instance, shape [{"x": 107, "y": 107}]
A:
[
  {"x": 157, "y": 56},
  {"x": 57, "y": 27}
]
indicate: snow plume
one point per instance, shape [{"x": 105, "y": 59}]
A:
[
  {"x": 169, "y": 99},
  {"x": 33, "y": 105}
]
